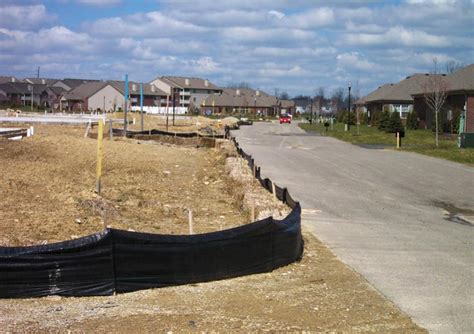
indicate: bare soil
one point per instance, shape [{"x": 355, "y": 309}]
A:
[{"x": 47, "y": 190}]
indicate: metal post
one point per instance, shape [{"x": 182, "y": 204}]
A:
[
  {"x": 125, "y": 120},
  {"x": 174, "y": 103},
  {"x": 141, "y": 106},
  {"x": 349, "y": 110}
]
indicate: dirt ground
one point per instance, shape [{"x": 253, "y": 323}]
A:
[{"x": 47, "y": 191}]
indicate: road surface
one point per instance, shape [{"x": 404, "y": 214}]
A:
[{"x": 392, "y": 216}]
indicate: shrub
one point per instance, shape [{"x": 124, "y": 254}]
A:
[
  {"x": 395, "y": 123},
  {"x": 384, "y": 120},
  {"x": 412, "y": 120}
]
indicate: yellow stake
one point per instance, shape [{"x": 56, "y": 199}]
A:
[{"x": 99, "y": 156}]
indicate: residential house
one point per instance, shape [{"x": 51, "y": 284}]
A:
[
  {"x": 152, "y": 95},
  {"x": 459, "y": 88},
  {"x": 22, "y": 93},
  {"x": 51, "y": 97},
  {"x": 393, "y": 97},
  {"x": 241, "y": 101},
  {"x": 187, "y": 92},
  {"x": 287, "y": 106},
  {"x": 94, "y": 95}
]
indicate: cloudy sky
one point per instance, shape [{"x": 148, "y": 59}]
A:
[{"x": 293, "y": 45}]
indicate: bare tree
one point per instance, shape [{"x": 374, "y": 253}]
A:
[
  {"x": 435, "y": 91},
  {"x": 453, "y": 66}
]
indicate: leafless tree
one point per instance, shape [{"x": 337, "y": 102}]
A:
[
  {"x": 453, "y": 66},
  {"x": 435, "y": 91}
]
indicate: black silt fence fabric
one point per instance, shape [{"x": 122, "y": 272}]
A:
[
  {"x": 121, "y": 261},
  {"x": 132, "y": 134},
  {"x": 81, "y": 267}
]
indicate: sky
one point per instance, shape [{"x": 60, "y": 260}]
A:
[{"x": 294, "y": 46}]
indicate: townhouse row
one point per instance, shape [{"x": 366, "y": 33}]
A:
[{"x": 195, "y": 95}]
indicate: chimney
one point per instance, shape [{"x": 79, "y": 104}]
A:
[
  {"x": 134, "y": 87},
  {"x": 257, "y": 92},
  {"x": 43, "y": 81},
  {"x": 186, "y": 82},
  {"x": 13, "y": 79},
  {"x": 153, "y": 88},
  {"x": 237, "y": 92},
  {"x": 206, "y": 83}
]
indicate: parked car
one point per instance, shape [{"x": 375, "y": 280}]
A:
[{"x": 285, "y": 118}]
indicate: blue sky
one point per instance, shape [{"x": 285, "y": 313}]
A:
[{"x": 296, "y": 46}]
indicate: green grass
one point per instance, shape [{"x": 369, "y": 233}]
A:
[{"x": 419, "y": 141}]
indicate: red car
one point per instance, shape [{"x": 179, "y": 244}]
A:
[{"x": 285, "y": 118}]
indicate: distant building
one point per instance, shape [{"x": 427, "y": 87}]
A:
[
  {"x": 241, "y": 101},
  {"x": 189, "y": 92},
  {"x": 22, "y": 93}
]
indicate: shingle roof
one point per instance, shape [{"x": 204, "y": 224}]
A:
[
  {"x": 147, "y": 89},
  {"x": 399, "y": 92},
  {"x": 462, "y": 79},
  {"x": 57, "y": 90},
  {"x": 21, "y": 88},
  {"x": 287, "y": 103},
  {"x": 73, "y": 83},
  {"x": 241, "y": 98},
  {"x": 85, "y": 90},
  {"x": 194, "y": 83},
  {"x": 6, "y": 79},
  {"x": 40, "y": 81}
]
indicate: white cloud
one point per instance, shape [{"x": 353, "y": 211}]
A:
[
  {"x": 398, "y": 36},
  {"x": 46, "y": 40},
  {"x": 313, "y": 18},
  {"x": 154, "y": 24},
  {"x": 354, "y": 60},
  {"x": 276, "y": 14},
  {"x": 23, "y": 17}
]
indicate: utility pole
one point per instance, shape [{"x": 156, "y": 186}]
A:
[
  {"x": 38, "y": 73},
  {"x": 32, "y": 94},
  {"x": 141, "y": 106},
  {"x": 349, "y": 109}
]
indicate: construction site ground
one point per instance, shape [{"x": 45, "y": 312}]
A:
[{"x": 47, "y": 189}]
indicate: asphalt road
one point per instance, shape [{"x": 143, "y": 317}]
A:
[{"x": 389, "y": 215}]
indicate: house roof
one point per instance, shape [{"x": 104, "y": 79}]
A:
[
  {"x": 6, "y": 79},
  {"x": 73, "y": 83},
  {"x": 462, "y": 79},
  {"x": 40, "y": 81},
  {"x": 85, "y": 90},
  {"x": 147, "y": 88},
  {"x": 194, "y": 83},
  {"x": 245, "y": 97},
  {"x": 57, "y": 90},
  {"x": 287, "y": 103},
  {"x": 399, "y": 92},
  {"x": 21, "y": 88}
]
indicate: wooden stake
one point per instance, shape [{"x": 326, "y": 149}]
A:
[
  {"x": 89, "y": 125},
  {"x": 398, "y": 140},
  {"x": 274, "y": 192},
  {"x": 99, "y": 156},
  {"x": 190, "y": 218},
  {"x": 111, "y": 133}
]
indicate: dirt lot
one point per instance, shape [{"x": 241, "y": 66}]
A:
[{"x": 47, "y": 191}]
